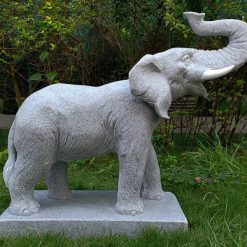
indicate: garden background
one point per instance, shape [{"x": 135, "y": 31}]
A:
[{"x": 202, "y": 150}]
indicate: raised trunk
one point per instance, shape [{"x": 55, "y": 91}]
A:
[{"x": 233, "y": 54}]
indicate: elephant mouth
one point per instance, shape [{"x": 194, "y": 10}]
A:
[
  {"x": 210, "y": 74},
  {"x": 204, "y": 92},
  {"x": 197, "y": 89}
]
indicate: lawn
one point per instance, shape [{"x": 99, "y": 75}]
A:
[
  {"x": 209, "y": 182},
  {"x": 3, "y": 138}
]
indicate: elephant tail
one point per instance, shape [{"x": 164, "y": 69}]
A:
[{"x": 9, "y": 165}]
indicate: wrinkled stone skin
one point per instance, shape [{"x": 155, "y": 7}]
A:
[{"x": 67, "y": 122}]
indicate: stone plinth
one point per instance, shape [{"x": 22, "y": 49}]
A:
[{"x": 92, "y": 213}]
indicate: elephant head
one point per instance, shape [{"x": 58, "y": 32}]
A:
[{"x": 158, "y": 79}]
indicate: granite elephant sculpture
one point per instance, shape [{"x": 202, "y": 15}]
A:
[{"x": 65, "y": 122}]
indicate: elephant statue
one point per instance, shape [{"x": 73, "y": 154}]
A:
[{"x": 65, "y": 122}]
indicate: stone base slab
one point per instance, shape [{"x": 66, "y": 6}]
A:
[{"x": 92, "y": 213}]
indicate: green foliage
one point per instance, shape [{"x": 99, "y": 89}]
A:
[
  {"x": 43, "y": 56},
  {"x": 3, "y": 157},
  {"x": 53, "y": 38},
  {"x": 35, "y": 77},
  {"x": 96, "y": 173},
  {"x": 175, "y": 22},
  {"x": 51, "y": 75},
  {"x": 215, "y": 161},
  {"x": 3, "y": 139},
  {"x": 4, "y": 194},
  {"x": 205, "y": 164}
]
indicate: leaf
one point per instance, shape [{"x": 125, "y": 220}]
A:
[
  {"x": 3, "y": 61},
  {"x": 92, "y": 161},
  {"x": 43, "y": 56},
  {"x": 35, "y": 77},
  {"x": 51, "y": 75},
  {"x": 53, "y": 46}
]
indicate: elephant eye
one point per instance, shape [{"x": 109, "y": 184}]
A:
[{"x": 185, "y": 58}]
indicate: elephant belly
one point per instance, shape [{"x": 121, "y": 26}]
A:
[{"x": 74, "y": 145}]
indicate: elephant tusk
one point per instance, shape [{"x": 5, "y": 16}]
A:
[{"x": 216, "y": 73}]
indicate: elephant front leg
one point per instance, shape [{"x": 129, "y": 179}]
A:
[
  {"x": 151, "y": 186},
  {"x": 132, "y": 166},
  {"x": 57, "y": 182}
]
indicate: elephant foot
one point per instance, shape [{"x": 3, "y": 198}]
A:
[
  {"x": 130, "y": 207},
  {"x": 62, "y": 195},
  {"x": 24, "y": 207},
  {"x": 153, "y": 194}
]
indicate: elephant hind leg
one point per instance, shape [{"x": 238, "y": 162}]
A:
[
  {"x": 57, "y": 182},
  {"x": 22, "y": 183}
]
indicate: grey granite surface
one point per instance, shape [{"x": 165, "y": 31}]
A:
[{"x": 93, "y": 213}]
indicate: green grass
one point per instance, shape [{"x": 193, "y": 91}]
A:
[
  {"x": 3, "y": 138},
  {"x": 215, "y": 203}
]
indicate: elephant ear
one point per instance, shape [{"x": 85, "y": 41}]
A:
[{"x": 148, "y": 83}]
